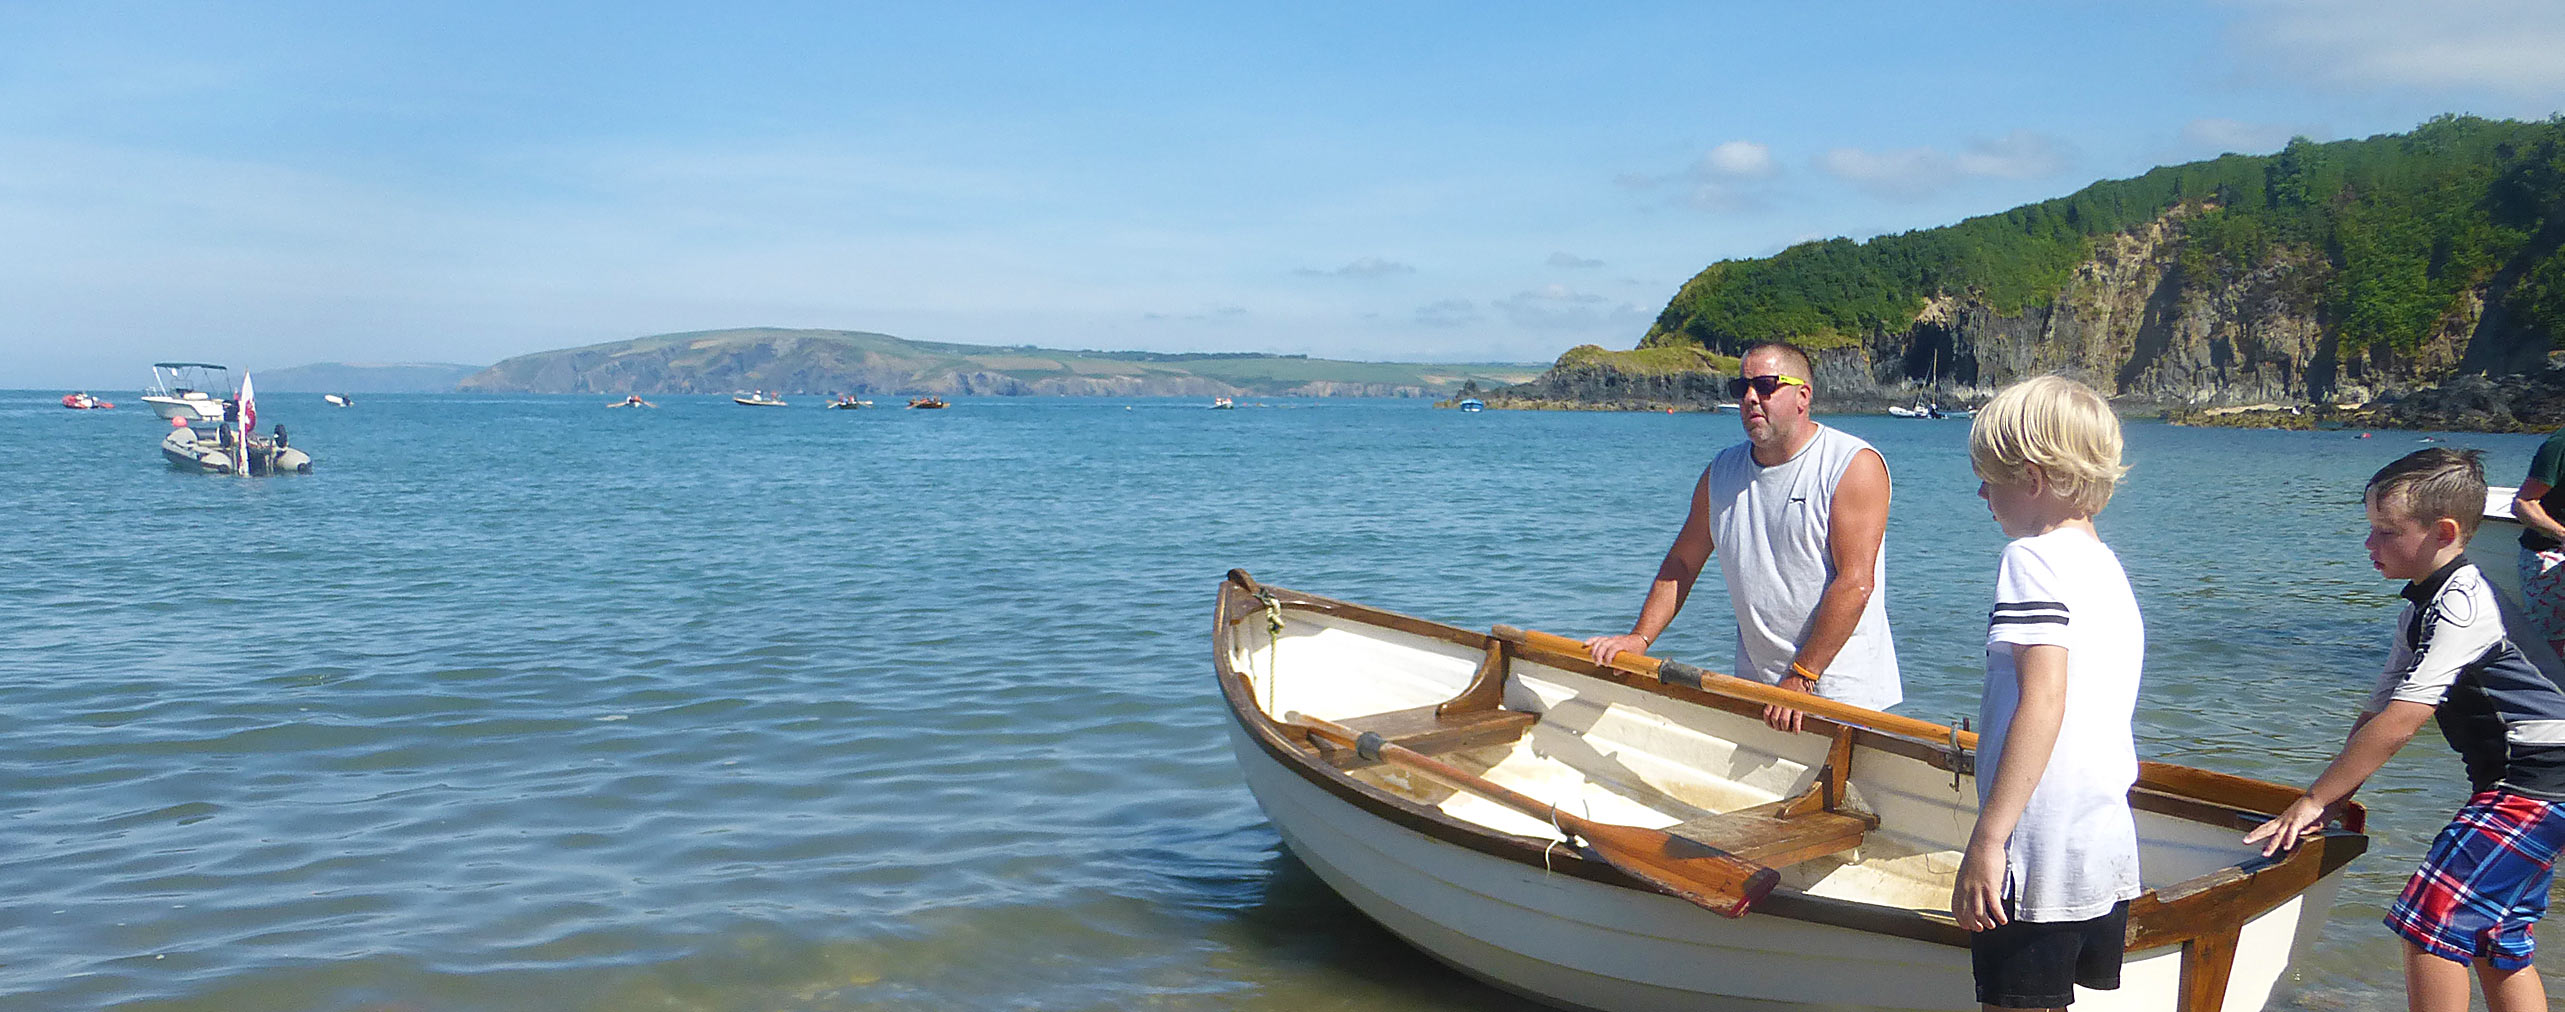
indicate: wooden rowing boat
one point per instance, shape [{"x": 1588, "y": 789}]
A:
[{"x": 1861, "y": 814}]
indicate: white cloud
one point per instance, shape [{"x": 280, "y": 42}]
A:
[
  {"x": 2506, "y": 46},
  {"x": 1560, "y": 308},
  {"x": 1919, "y": 172},
  {"x": 1572, "y": 261},
  {"x": 1449, "y": 313},
  {"x": 2221, "y": 136},
  {"x": 1904, "y": 173},
  {"x": 1732, "y": 176},
  {"x": 1739, "y": 160},
  {"x": 2022, "y": 154},
  {"x": 1367, "y": 267}
]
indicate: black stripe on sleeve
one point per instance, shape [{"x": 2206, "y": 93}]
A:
[
  {"x": 2005, "y": 606},
  {"x": 2027, "y": 620}
]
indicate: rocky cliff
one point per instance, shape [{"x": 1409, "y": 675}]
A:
[
  {"x": 2356, "y": 272},
  {"x": 2133, "y": 321}
]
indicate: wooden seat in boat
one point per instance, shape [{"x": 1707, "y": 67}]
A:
[
  {"x": 1766, "y": 835},
  {"x": 1425, "y": 729}
]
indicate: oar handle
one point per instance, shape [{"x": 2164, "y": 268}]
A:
[
  {"x": 1375, "y": 747},
  {"x": 1679, "y": 673}
]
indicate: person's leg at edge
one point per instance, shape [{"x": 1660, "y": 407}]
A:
[
  {"x": 2542, "y": 588},
  {"x": 2433, "y": 984},
  {"x": 2512, "y": 990}
]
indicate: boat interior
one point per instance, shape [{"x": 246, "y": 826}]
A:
[{"x": 1841, "y": 812}]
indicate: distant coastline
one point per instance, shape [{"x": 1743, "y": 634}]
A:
[{"x": 858, "y": 362}]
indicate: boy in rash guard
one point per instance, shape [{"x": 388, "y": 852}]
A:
[
  {"x": 2045, "y": 883},
  {"x": 2483, "y": 885}
]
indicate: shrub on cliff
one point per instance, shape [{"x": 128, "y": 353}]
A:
[{"x": 2400, "y": 228}]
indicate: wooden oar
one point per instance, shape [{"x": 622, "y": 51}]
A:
[
  {"x": 1706, "y": 875},
  {"x": 1679, "y": 673}
]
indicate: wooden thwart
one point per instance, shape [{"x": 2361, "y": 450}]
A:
[
  {"x": 1424, "y": 730},
  {"x": 1778, "y": 834},
  {"x": 1694, "y": 871},
  {"x": 1765, "y": 836}
]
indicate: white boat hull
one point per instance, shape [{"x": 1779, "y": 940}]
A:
[
  {"x": 1579, "y": 944},
  {"x": 195, "y": 410},
  {"x": 2496, "y": 547},
  {"x": 1570, "y": 938},
  {"x": 185, "y": 452}
]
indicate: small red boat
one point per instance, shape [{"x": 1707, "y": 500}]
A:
[
  {"x": 928, "y": 401},
  {"x": 83, "y": 402}
]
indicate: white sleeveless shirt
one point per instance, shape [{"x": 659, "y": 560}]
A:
[{"x": 1768, "y": 527}]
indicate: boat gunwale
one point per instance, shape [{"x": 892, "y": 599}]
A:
[{"x": 2205, "y": 911}]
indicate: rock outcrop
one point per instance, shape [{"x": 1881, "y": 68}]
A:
[{"x": 2134, "y": 322}]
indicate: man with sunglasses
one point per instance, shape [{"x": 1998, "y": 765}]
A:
[{"x": 1797, "y": 515}]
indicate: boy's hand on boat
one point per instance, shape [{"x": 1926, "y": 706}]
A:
[
  {"x": 1602, "y": 648},
  {"x": 2285, "y": 830},
  {"x": 1977, "y": 895}
]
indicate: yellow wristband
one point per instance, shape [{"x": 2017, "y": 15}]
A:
[{"x": 1802, "y": 671}]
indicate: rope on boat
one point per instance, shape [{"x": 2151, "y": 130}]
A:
[
  {"x": 1273, "y": 644},
  {"x": 1564, "y": 837}
]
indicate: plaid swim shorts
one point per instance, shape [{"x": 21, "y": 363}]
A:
[{"x": 2483, "y": 886}]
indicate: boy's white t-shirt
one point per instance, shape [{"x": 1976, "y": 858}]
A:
[{"x": 2075, "y": 853}]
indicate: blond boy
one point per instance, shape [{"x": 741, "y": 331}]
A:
[
  {"x": 2476, "y": 901},
  {"x": 2045, "y": 883}
]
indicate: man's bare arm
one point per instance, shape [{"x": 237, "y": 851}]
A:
[
  {"x": 2533, "y": 514},
  {"x": 1858, "y": 527},
  {"x": 1682, "y": 565}
]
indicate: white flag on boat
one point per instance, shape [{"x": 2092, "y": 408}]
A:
[{"x": 248, "y": 420}]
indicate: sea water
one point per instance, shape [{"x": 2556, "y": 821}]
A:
[{"x": 524, "y": 703}]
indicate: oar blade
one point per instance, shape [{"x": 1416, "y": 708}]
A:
[{"x": 1711, "y": 878}]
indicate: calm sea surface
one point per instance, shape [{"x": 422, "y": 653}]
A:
[{"x": 520, "y": 703}]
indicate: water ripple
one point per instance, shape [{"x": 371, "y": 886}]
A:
[{"x": 522, "y": 704}]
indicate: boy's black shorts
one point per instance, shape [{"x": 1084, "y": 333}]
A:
[{"x": 2034, "y": 964}]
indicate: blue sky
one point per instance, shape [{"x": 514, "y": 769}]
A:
[{"x": 277, "y": 184}]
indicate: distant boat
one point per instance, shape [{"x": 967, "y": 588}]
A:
[
  {"x": 926, "y": 402},
  {"x": 632, "y": 401},
  {"x": 187, "y": 451},
  {"x": 339, "y": 400},
  {"x": 846, "y": 402},
  {"x": 1473, "y": 404},
  {"x": 760, "y": 399},
  {"x": 1223, "y": 404},
  {"x": 83, "y": 402},
  {"x": 192, "y": 392}
]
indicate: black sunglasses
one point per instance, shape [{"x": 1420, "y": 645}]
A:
[{"x": 1765, "y": 386}]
